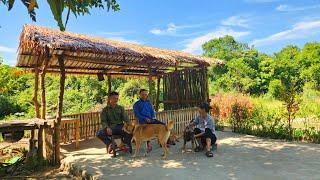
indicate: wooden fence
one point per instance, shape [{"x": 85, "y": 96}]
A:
[
  {"x": 90, "y": 122},
  {"x": 185, "y": 88}
]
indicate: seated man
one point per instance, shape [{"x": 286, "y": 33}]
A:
[
  {"x": 112, "y": 117},
  {"x": 144, "y": 112},
  {"x": 205, "y": 134}
]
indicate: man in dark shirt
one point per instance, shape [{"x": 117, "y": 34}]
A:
[{"x": 112, "y": 117}]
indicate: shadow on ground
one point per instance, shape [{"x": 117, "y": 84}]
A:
[{"x": 238, "y": 157}]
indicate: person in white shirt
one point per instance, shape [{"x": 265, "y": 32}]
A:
[{"x": 205, "y": 130}]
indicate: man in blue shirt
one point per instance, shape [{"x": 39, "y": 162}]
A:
[
  {"x": 144, "y": 112},
  {"x": 143, "y": 109}
]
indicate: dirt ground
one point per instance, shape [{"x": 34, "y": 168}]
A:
[{"x": 238, "y": 157}]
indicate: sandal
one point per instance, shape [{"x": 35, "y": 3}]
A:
[{"x": 209, "y": 154}]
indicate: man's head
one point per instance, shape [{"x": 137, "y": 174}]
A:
[
  {"x": 204, "y": 108},
  {"x": 113, "y": 98},
  {"x": 143, "y": 93}
]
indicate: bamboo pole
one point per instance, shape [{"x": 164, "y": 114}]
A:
[
  {"x": 150, "y": 86},
  {"x": 158, "y": 93},
  {"x": 43, "y": 88},
  {"x": 36, "y": 88},
  {"x": 109, "y": 83},
  {"x": 206, "y": 85},
  {"x": 40, "y": 142},
  {"x": 59, "y": 111}
]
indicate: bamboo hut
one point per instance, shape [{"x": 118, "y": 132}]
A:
[{"x": 43, "y": 50}]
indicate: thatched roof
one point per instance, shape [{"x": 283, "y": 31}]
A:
[{"x": 91, "y": 55}]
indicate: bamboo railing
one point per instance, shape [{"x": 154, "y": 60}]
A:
[{"x": 90, "y": 122}]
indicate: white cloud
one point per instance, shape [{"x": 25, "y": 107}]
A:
[
  {"x": 116, "y": 38},
  {"x": 288, "y": 8},
  {"x": 298, "y": 31},
  {"x": 7, "y": 49},
  {"x": 194, "y": 45},
  {"x": 236, "y": 21},
  {"x": 172, "y": 29}
]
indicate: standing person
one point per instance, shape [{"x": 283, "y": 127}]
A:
[
  {"x": 144, "y": 112},
  {"x": 112, "y": 117},
  {"x": 205, "y": 133}
]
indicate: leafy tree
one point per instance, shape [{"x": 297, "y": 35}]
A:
[
  {"x": 265, "y": 72},
  {"x": 309, "y": 61},
  {"x": 225, "y": 48},
  {"x": 288, "y": 70},
  {"x": 239, "y": 72},
  {"x": 57, "y": 7}
]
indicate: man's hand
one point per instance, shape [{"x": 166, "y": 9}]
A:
[{"x": 109, "y": 131}]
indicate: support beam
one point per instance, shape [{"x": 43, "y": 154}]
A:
[
  {"x": 35, "y": 96},
  {"x": 206, "y": 84},
  {"x": 43, "y": 89},
  {"x": 150, "y": 86},
  {"x": 59, "y": 111},
  {"x": 40, "y": 142},
  {"x": 109, "y": 83},
  {"x": 158, "y": 93},
  {"x": 176, "y": 74}
]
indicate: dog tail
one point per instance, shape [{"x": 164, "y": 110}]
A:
[{"x": 170, "y": 124}]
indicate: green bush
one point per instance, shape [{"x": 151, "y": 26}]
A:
[{"x": 7, "y": 107}]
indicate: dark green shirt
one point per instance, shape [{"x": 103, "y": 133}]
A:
[{"x": 110, "y": 116}]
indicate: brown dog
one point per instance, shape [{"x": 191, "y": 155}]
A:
[{"x": 147, "y": 132}]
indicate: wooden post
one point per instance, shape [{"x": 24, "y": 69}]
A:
[
  {"x": 150, "y": 86},
  {"x": 31, "y": 141},
  {"x": 59, "y": 111},
  {"x": 206, "y": 84},
  {"x": 176, "y": 73},
  {"x": 158, "y": 93},
  {"x": 43, "y": 88},
  {"x": 40, "y": 142},
  {"x": 77, "y": 133},
  {"x": 35, "y": 96},
  {"x": 109, "y": 83},
  {"x": 49, "y": 146}
]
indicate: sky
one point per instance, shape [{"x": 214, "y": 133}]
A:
[{"x": 184, "y": 25}]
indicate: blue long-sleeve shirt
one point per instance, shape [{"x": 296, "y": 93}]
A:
[{"x": 143, "y": 110}]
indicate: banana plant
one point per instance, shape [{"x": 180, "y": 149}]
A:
[{"x": 76, "y": 7}]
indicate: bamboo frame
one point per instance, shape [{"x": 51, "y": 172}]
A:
[
  {"x": 150, "y": 85},
  {"x": 109, "y": 84},
  {"x": 185, "y": 88},
  {"x": 59, "y": 111},
  {"x": 35, "y": 97},
  {"x": 43, "y": 88},
  {"x": 158, "y": 93}
]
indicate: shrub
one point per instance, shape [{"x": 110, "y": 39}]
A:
[{"x": 222, "y": 105}]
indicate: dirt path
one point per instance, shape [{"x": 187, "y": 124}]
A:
[{"x": 237, "y": 157}]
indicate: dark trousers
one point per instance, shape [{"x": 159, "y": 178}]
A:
[
  {"x": 155, "y": 121},
  {"x": 117, "y": 130},
  {"x": 207, "y": 134}
]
